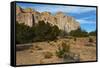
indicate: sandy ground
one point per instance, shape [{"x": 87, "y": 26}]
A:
[{"x": 36, "y": 53}]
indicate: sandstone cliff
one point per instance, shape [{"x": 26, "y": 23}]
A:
[{"x": 30, "y": 17}]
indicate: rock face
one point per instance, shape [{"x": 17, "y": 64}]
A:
[{"x": 30, "y": 17}]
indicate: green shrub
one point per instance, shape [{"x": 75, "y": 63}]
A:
[
  {"x": 24, "y": 34},
  {"x": 65, "y": 47},
  {"x": 60, "y": 53},
  {"x": 62, "y": 50},
  {"x": 92, "y": 33},
  {"x": 79, "y": 33},
  {"x": 39, "y": 32},
  {"x": 45, "y": 31}
]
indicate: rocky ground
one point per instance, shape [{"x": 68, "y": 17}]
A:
[{"x": 44, "y": 52}]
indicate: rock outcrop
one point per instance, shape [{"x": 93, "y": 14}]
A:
[{"x": 30, "y": 17}]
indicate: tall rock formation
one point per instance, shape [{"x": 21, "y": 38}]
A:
[
  {"x": 30, "y": 17},
  {"x": 24, "y": 16},
  {"x": 66, "y": 23}
]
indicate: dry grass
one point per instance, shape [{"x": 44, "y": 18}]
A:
[
  {"x": 48, "y": 55},
  {"x": 44, "y": 52}
]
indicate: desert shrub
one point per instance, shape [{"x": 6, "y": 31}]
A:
[
  {"x": 52, "y": 43},
  {"x": 48, "y": 54},
  {"x": 63, "y": 33},
  {"x": 38, "y": 48},
  {"x": 55, "y": 40},
  {"x": 89, "y": 44},
  {"x": 69, "y": 37},
  {"x": 90, "y": 39},
  {"x": 78, "y": 33},
  {"x": 31, "y": 51},
  {"x": 48, "y": 41},
  {"x": 60, "y": 53},
  {"x": 92, "y": 33},
  {"x": 75, "y": 38},
  {"x": 41, "y": 61},
  {"x": 65, "y": 48}
]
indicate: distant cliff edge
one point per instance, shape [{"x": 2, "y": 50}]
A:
[{"x": 30, "y": 17}]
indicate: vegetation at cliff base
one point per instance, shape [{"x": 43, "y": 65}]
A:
[
  {"x": 79, "y": 33},
  {"x": 24, "y": 33},
  {"x": 39, "y": 32},
  {"x": 44, "y": 32},
  {"x": 92, "y": 33}
]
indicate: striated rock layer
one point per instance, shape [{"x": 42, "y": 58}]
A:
[{"x": 30, "y": 17}]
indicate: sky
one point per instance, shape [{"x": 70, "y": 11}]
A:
[{"x": 86, "y": 16}]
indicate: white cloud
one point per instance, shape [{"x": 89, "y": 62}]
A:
[
  {"x": 80, "y": 9},
  {"x": 56, "y": 8},
  {"x": 68, "y": 9},
  {"x": 83, "y": 21},
  {"x": 89, "y": 17}
]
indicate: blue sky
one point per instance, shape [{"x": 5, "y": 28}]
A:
[{"x": 86, "y": 16}]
